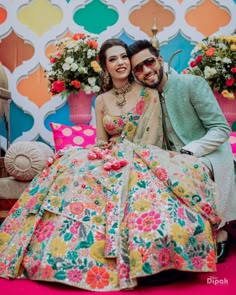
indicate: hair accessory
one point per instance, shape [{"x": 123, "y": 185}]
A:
[{"x": 120, "y": 94}]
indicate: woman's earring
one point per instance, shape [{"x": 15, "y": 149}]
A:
[{"x": 107, "y": 78}]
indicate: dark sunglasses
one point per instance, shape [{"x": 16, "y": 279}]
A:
[{"x": 149, "y": 62}]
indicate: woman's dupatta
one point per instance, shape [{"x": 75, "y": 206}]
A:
[{"x": 149, "y": 129}]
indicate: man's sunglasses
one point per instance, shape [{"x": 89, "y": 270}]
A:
[{"x": 149, "y": 62}]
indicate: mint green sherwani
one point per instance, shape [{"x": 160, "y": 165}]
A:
[{"x": 200, "y": 126}]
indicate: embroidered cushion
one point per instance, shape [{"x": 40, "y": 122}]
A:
[{"x": 65, "y": 136}]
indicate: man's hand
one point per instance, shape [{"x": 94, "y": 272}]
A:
[{"x": 172, "y": 153}]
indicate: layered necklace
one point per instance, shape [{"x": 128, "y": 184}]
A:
[{"x": 120, "y": 94}]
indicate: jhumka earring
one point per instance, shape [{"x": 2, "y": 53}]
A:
[{"x": 106, "y": 78}]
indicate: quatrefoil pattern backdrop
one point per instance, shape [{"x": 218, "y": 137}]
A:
[{"x": 28, "y": 30}]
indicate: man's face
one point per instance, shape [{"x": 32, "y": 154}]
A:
[{"x": 147, "y": 68}]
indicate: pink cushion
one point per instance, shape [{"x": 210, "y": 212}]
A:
[
  {"x": 232, "y": 141},
  {"x": 66, "y": 136}
]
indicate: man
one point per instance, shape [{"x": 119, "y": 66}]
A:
[{"x": 193, "y": 124}]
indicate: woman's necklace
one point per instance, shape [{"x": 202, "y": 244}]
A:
[{"x": 120, "y": 94}]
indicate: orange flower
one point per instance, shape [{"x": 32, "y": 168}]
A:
[
  {"x": 179, "y": 261},
  {"x": 92, "y": 43},
  {"x": 75, "y": 83},
  {"x": 210, "y": 51},
  {"x": 97, "y": 277},
  {"x": 211, "y": 260},
  {"x": 78, "y": 36},
  {"x": 76, "y": 208},
  {"x": 47, "y": 272}
]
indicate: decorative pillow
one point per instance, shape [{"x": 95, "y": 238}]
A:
[
  {"x": 232, "y": 141},
  {"x": 66, "y": 136},
  {"x": 25, "y": 159}
]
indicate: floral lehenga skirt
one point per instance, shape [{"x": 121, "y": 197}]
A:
[{"x": 100, "y": 229}]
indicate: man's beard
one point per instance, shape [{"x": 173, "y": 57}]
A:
[{"x": 156, "y": 84}]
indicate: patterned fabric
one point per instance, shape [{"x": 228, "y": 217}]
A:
[
  {"x": 99, "y": 229},
  {"x": 66, "y": 136}
]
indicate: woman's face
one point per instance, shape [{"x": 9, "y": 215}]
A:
[{"x": 117, "y": 63}]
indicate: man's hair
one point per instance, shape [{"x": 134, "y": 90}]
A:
[{"x": 140, "y": 45}]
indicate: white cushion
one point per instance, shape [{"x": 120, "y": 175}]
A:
[{"x": 25, "y": 159}]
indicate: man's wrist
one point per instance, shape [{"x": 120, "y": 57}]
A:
[{"x": 186, "y": 152}]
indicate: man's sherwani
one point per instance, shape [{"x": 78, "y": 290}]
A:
[{"x": 200, "y": 124}]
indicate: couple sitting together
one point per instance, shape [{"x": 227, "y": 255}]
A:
[{"x": 148, "y": 201}]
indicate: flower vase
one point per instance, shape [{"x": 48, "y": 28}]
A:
[
  {"x": 228, "y": 106},
  {"x": 80, "y": 105}
]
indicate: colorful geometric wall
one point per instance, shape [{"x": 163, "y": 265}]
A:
[{"x": 28, "y": 30}]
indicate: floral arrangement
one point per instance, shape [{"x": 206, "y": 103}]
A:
[
  {"x": 74, "y": 66},
  {"x": 215, "y": 60}
]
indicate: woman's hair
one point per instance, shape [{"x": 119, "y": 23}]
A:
[
  {"x": 106, "y": 81},
  {"x": 140, "y": 45}
]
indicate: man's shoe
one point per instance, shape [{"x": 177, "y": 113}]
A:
[{"x": 222, "y": 251}]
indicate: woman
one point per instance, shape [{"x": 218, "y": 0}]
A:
[{"x": 100, "y": 219}]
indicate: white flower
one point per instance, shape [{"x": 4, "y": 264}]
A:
[
  {"x": 215, "y": 60},
  {"x": 88, "y": 89},
  {"x": 92, "y": 81},
  {"x": 69, "y": 60},
  {"x": 75, "y": 59},
  {"x": 96, "y": 89},
  {"x": 209, "y": 72},
  {"x": 66, "y": 67},
  {"x": 226, "y": 60},
  {"x": 74, "y": 67},
  {"x": 82, "y": 70},
  {"x": 90, "y": 53}
]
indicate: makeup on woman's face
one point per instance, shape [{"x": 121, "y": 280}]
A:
[{"x": 117, "y": 62}]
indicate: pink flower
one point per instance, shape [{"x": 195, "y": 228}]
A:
[
  {"x": 180, "y": 213},
  {"x": 115, "y": 165},
  {"x": 145, "y": 153},
  {"x": 185, "y": 71},
  {"x": 98, "y": 152},
  {"x": 140, "y": 107},
  {"x": 148, "y": 221},
  {"x": 74, "y": 275},
  {"x": 123, "y": 162},
  {"x": 74, "y": 228},
  {"x": 161, "y": 173},
  {"x": 91, "y": 156},
  {"x": 120, "y": 122},
  {"x": 164, "y": 256},
  {"x": 123, "y": 271},
  {"x": 197, "y": 262},
  {"x": 207, "y": 208},
  {"x": 32, "y": 203},
  {"x": 107, "y": 166},
  {"x": 44, "y": 231}
]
